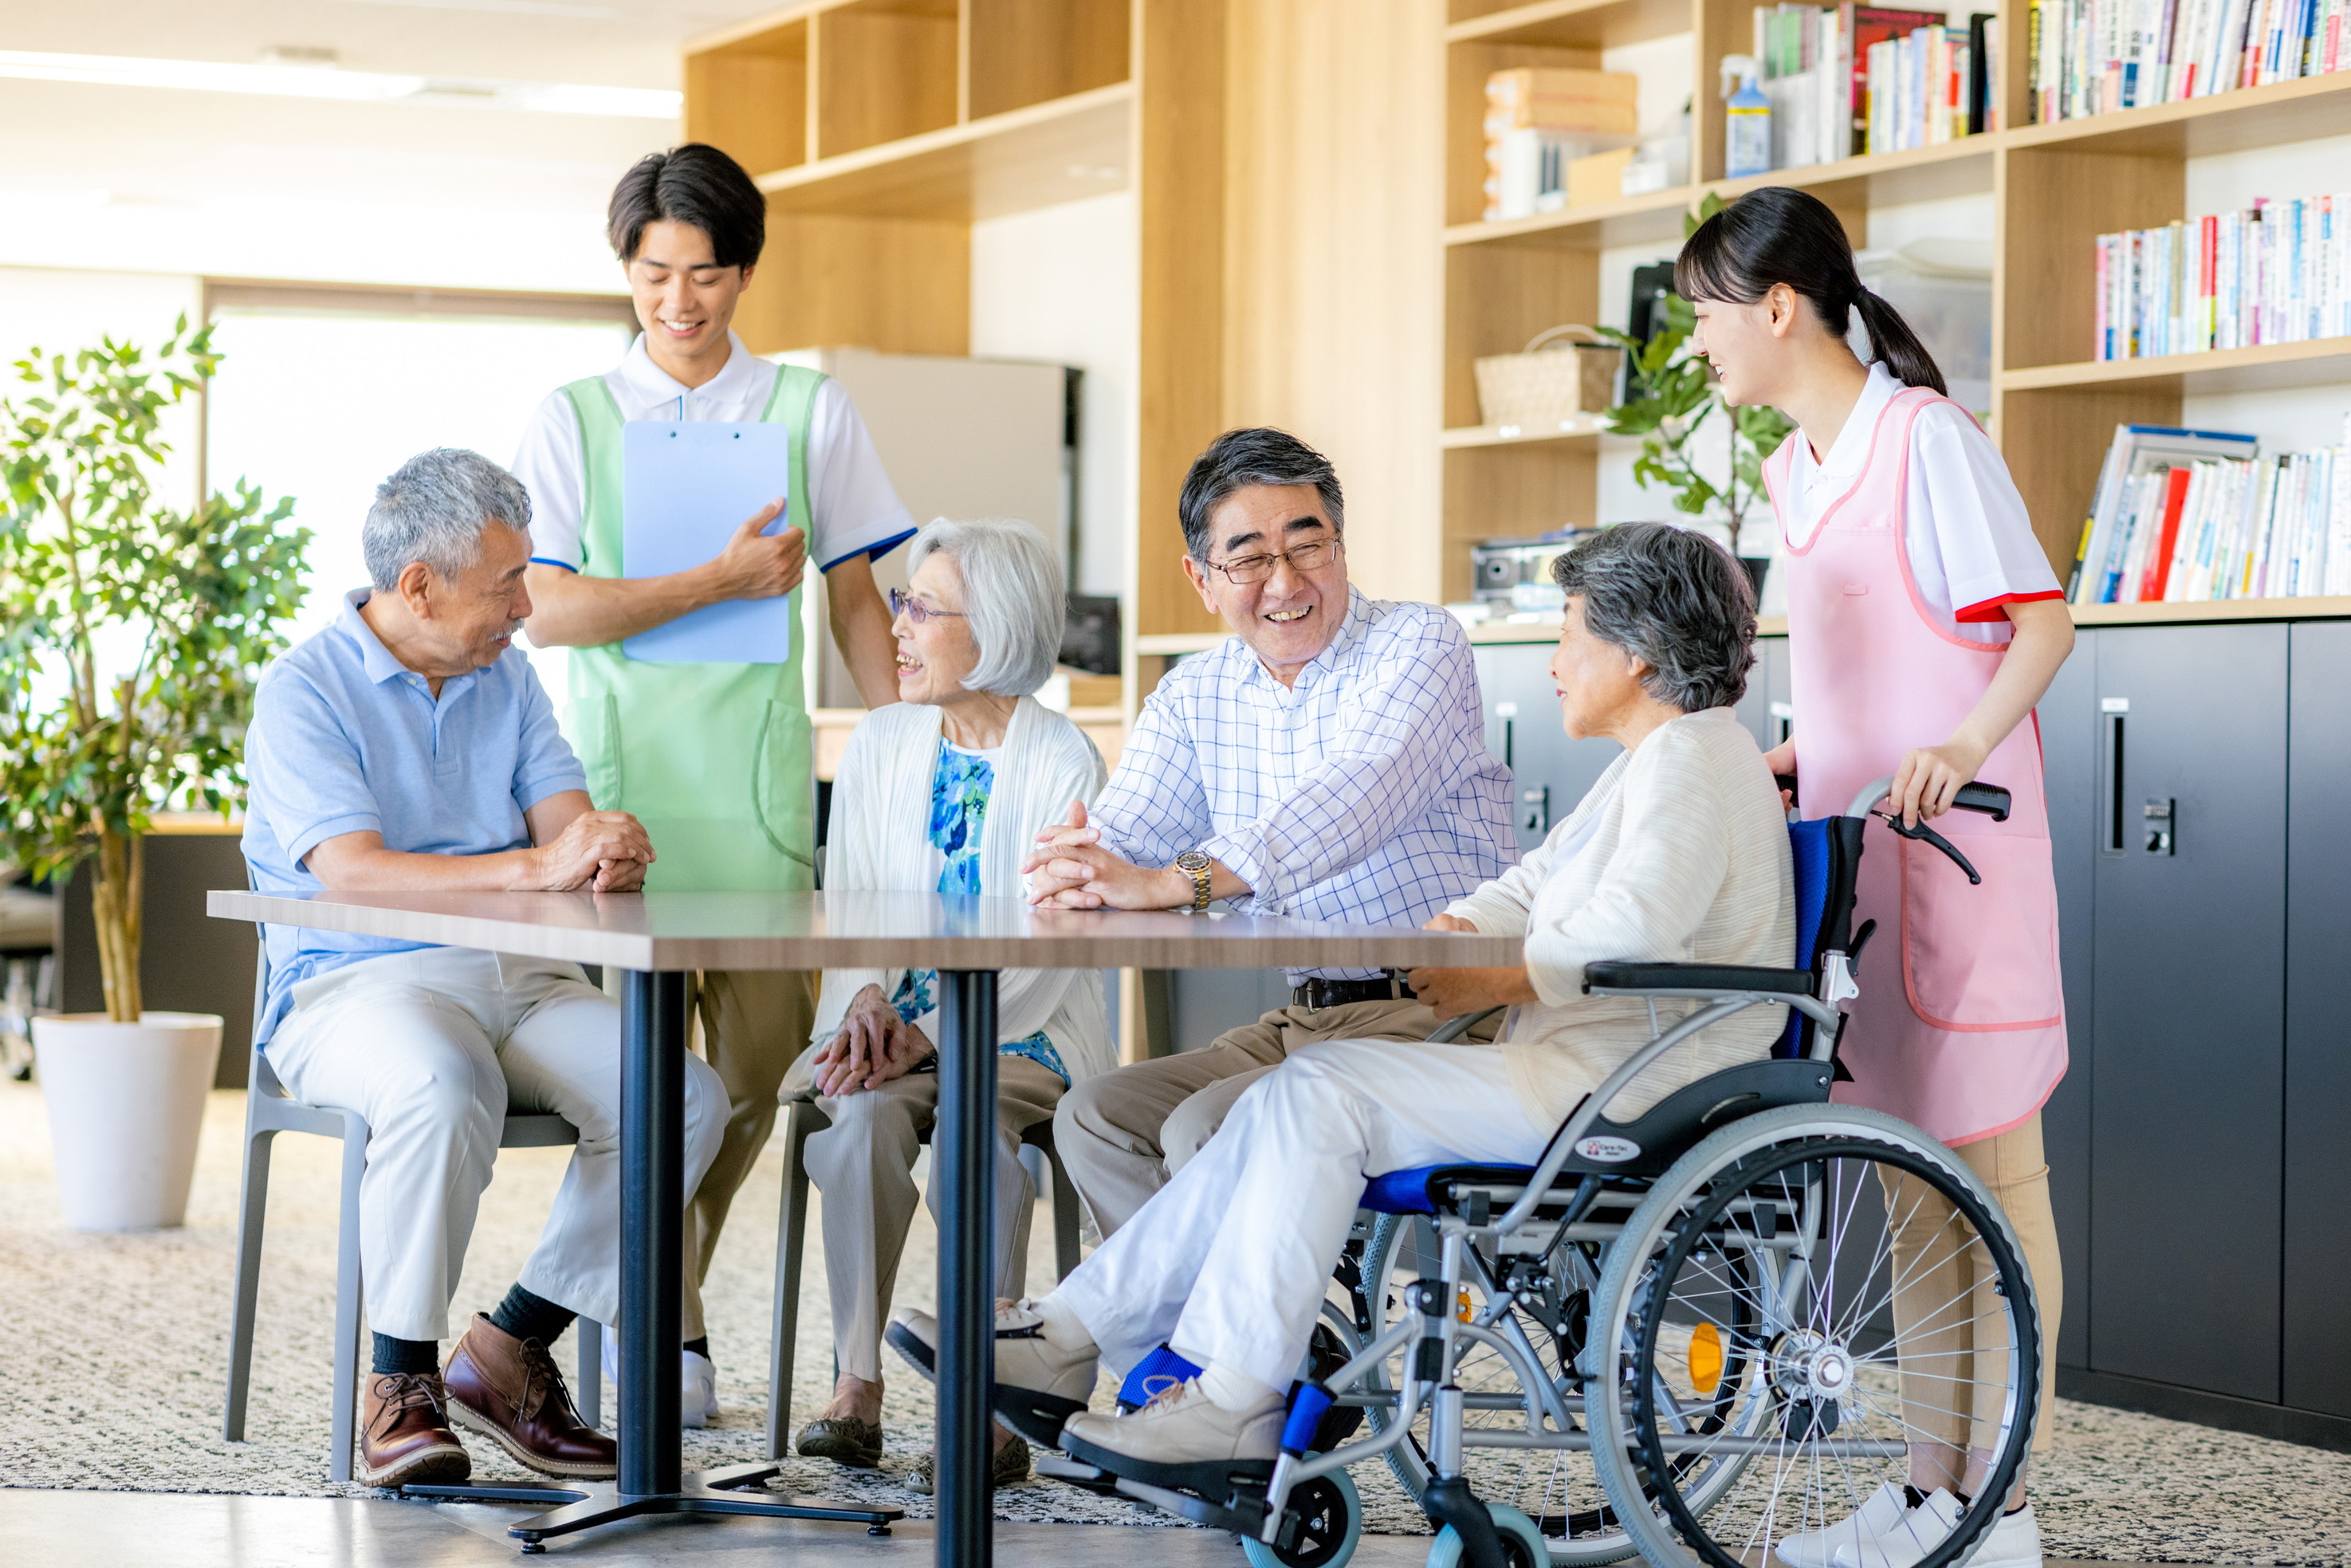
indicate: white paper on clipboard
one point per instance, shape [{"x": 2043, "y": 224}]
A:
[{"x": 685, "y": 487}]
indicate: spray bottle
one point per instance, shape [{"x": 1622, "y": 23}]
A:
[{"x": 1747, "y": 118}]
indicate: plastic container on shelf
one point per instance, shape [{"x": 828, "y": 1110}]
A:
[
  {"x": 1943, "y": 288},
  {"x": 1747, "y": 118}
]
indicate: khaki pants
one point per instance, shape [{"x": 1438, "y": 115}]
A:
[
  {"x": 1948, "y": 1280},
  {"x": 865, "y": 1166},
  {"x": 1123, "y": 1134},
  {"x": 754, "y": 1025}
]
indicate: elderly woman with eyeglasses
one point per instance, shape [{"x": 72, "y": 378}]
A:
[{"x": 943, "y": 792}]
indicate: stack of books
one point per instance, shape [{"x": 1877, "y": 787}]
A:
[
  {"x": 1540, "y": 120},
  {"x": 1848, "y": 79},
  {"x": 2185, "y": 517},
  {"x": 2277, "y": 272},
  {"x": 2090, "y": 57}
]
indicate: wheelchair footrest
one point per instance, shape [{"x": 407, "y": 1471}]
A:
[
  {"x": 1077, "y": 1473},
  {"x": 1036, "y": 1417},
  {"x": 1226, "y": 1494}
]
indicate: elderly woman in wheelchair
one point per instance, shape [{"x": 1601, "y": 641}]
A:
[{"x": 1666, "y": 1326}]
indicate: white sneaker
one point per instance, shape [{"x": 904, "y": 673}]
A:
[
  {"x": 2012, "y": 1541},
  {"x": 697, "y": 1397},
  {"x": 1182, "y": 1426},
  {"x": 1817, "y": 1548}
]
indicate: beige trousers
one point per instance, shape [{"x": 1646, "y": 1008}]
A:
[
  {"x": 754, "y": 1025},
  {"x": 1947, "y": 1281},
  {"x": 865, "y": 1166},
  {"x": 1123, "y": 1134}
]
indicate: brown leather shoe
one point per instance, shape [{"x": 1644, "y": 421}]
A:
[
  {"x": 404, "y": 1436},
  {"x": 509, "y": 1391}
]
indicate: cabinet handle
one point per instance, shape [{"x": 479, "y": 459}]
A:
[{"x": 2117, "y": 819}]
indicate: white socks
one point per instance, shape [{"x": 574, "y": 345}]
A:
[
  {"x": 1064, "y": 1330},
  {"x": 1233, "y": 1390}
]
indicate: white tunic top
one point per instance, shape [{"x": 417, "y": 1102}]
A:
[
  {"x": 1969, "y": 539},
  {"x": 855, "y": 511},
  {"x": 1679, "y": 853}
]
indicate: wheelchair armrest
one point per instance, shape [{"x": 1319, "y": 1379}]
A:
[{"x": 1629, "y": 974}]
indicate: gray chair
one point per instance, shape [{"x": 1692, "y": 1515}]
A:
[
  {"x": 803, "y": 1120},
  {"x": 269, "y": 1111}
]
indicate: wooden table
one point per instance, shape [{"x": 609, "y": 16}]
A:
[{"x": 656, "y": 939}]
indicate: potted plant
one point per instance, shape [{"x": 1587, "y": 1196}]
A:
[
  {"x": 1671, "y": 395},
  {"x": 131, "y": 637}
]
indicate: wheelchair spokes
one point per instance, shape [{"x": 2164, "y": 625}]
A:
[{"x": 1778, "y": 1387}]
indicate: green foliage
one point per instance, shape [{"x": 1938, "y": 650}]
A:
[
  {"x": 91, "y": 564},
  {"x": 1671, "y": 395}
]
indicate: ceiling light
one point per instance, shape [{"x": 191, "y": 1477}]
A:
[{"x": 317, "y": 82}]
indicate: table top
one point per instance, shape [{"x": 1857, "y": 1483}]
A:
[{"x": 856, "y": 930}]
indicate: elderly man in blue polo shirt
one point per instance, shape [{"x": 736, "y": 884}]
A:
[{"x": 409, "y": 748}]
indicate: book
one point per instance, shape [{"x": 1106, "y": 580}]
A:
[{"x": 2136, "y": 450}]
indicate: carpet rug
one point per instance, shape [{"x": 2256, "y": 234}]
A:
[{"x": 118, "y": 1352}]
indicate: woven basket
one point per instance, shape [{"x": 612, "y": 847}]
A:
[{"x": 1551, "y": 381}]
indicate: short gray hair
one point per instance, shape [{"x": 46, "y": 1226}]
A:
[
  {"x": 1240, "y": 458},
  {"x": 1674, "y": 600},
  {"x": 433, "y": 510},
  {"x": 1012, "y": 599}
]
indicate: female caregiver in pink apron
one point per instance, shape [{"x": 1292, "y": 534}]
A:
[{"x": 1924, "y": 623}]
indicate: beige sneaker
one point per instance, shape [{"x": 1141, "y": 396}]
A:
[
  {"x": 1181, "y": 1427},
  {"x": 1025, "y": 1359}
]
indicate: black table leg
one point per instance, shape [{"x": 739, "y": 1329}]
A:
[
  {"x": 652, "y": 1209},
  {"x": 964, "y": 1147}
]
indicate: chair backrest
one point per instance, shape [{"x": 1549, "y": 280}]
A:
[{"x": 1827, "y": 855}]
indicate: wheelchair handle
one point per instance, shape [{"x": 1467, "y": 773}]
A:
[{"x": 1989, "y": 799}]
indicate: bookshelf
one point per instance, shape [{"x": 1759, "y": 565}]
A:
[{"x": 2052, "y": 189}]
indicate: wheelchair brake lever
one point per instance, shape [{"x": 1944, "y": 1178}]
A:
[{"x": 1894, "y": 821}]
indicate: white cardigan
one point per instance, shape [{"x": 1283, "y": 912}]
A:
[
  {"x": 1683, "y": 857},
  {"x": 878, "y": 839}
]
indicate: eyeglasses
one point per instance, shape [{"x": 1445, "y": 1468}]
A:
[
  {"x": 904, "y": 603},
  {"x": 1308, "y": 557}
]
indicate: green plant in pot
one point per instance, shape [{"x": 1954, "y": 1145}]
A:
[
  {"x": 132, "y": 635},
  {"x": 1671, "y": 395}
]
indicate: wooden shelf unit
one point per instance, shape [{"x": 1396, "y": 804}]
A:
[
  {"x": 882, "y": 130},
  {"x": 2053, "y": 188}
]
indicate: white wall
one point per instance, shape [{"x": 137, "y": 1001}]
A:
[{"x": 1059, "y": 284}]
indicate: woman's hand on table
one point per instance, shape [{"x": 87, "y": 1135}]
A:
[
  {"x": 1451, "y": 992},
  {"x": 873, "y": 1046},
  {"x": 1932, "y": 776}
]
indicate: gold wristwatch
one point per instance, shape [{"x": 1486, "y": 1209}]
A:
[{"x": 1194, "y": 864}]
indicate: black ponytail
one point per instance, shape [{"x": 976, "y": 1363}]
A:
[{"x": 1778, "y": 234}]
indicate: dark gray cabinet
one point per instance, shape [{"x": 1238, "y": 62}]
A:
[
  {"x": 2316, "y": 1288},
  {"x": 2067, "y": 718},
  {"x": 2188, "y": 1011}
]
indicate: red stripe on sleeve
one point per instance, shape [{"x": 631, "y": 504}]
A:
[{"x": 1997, "y": 608}]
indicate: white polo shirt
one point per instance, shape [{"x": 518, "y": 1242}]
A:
[
  {"x": 1969, "y": 539},
  {"x": 851, "y": 508}
]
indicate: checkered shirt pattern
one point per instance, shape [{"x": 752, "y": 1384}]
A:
[{"x": 1364, "y": 793}]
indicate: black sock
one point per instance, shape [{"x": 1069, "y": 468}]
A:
[
  {"x": 393, "y": 1356},
  {"x": 1913, "y": 1496},
  {"x": 700, "y": 1347},
  {"x": 526, "y": 1316}
]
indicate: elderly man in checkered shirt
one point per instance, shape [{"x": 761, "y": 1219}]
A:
[{"x": 1328, "y": 762}]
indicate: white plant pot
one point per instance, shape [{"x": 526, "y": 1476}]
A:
[{"x": 126, "y": 1104}]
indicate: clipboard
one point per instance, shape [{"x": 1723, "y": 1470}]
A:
[{"x": 685, "y": 487}]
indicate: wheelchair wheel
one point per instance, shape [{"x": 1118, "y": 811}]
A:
[
  {"x": 1761, "y": 1378},
  {"x": 1332, "y": 1522},
  {"x": 1557, "y": 1489},
  {"x": 1523, "y": 1544}
]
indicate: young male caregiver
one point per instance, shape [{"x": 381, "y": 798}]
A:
[{"x": 714, "y": 758}]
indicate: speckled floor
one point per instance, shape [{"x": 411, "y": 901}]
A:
[{"x": 116, "y": 1350}]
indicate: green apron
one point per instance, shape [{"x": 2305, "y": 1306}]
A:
[{"x": 717, "y": 760}]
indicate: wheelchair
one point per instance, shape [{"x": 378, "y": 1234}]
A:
[{"x": 1673, "y": 1337}]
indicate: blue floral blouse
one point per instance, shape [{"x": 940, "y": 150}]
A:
[{"x": 959, "y": 792}]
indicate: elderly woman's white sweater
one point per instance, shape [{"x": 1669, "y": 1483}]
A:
[
  {"x": 878, "y": 839},
  {"x": 1679, "y": 851}
]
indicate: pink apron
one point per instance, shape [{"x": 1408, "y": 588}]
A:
[{"x": 1973, "y": 1039}]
